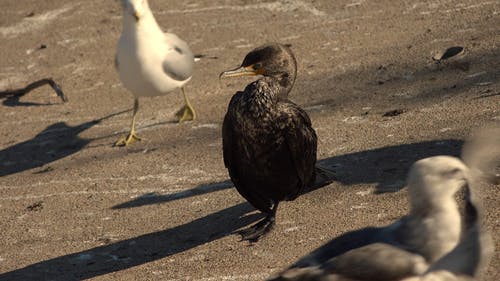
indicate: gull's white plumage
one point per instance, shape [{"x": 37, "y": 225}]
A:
[
  {"x": 432, "y": 183},
  {"x": 149, "y": 61},
  {"x": 142, "y": 49},
  {"x": 424, "y": 245},
  {"x": 404, "y": 248}
]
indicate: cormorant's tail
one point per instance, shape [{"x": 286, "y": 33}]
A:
[
  {"x": 324, "y": 176},
  {"x": 325, "y": 173}
]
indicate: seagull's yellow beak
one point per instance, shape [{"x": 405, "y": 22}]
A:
[
  {"x": 137, "y": 15},
  {"x": 242, "y": 71}
]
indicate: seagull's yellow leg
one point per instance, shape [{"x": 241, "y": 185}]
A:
[
  {"x": 186, "y": 113},
  {"x": 131, "y": 137}
]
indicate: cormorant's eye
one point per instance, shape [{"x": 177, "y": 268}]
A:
[{"x": 257, "y": 66}]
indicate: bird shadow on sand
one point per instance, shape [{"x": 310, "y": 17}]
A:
[
  {"x": 154, "y": 198},
  {"x": 387, "y": 167},
  {"x": 488, "y": 94},
  {"x": 55, "y": 142},
  {"x": 383, "y": 166},
  {"x": 13, "y": 97},
  {"x": 138, "y": 250}
]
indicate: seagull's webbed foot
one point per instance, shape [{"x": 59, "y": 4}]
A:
[
  {"x": 256, "y": 231},
  {"x": 129, "y": 139},
  {"x": 186, "y": 113}
]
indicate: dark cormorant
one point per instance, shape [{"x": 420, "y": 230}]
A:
[{"x": 268, "y": 141}]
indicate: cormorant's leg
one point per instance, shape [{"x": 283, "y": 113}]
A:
[
  {"x": 131, "y": 137},
  {"x": 256, "y": 231},
  {"x": 186, "y": 113}
]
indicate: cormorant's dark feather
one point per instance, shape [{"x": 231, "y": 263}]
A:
[
  {"x": 302, "y": 142},
  {"x": 269, "y": 144},
  {"x": 269, "y": 147}
]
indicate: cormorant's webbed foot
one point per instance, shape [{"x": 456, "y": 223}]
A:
[{"x": 256, "y": 231}]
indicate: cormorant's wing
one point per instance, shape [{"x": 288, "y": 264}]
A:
[
  {"x": 230, "y": 144},
  {"x": 301, "y": 140},
  {"x": 228, "y": 133},
  {"x": 179, "y": 60}
]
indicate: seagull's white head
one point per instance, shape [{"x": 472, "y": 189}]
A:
[
  {"x": 135, "y": 8},
  {"x": 435, "y": 180}
]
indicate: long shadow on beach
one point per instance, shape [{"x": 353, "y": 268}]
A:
[
  {"x": 386, "y": 167},
  {"x": 153, "y": 198},
  {"x": 13, "y": 97},
  {"x": 57, "y": 141},
  {"x": 138, "y": 250}
]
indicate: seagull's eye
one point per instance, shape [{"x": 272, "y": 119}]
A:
[
  {"x": 452, "y": 173},
  {"x": 257, "y": 66}
]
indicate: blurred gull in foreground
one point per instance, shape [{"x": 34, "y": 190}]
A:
[
  {"x": 404, "y": 248},
  {"x": 150, "y": 62},
  {"x": 470, "y": 257},
  {"x": 427, "y": 244},
  {"x": 481, "y": 153}
]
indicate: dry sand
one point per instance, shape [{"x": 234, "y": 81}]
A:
[{"x": 73, "y": 207}]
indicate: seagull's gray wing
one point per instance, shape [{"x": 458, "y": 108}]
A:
[
  {"x": 440, "y": 275},
  {"x": 482, "y": 152},
  {"x": 179, "y": 60},
  {"x": 344, "y": 243},
  {"x": 376, "y": 261}
]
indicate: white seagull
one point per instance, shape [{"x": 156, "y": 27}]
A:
[
  {"x": 469, "y": 259},
  {"x": 429, "y": 244},
  {"x": 405, "y": 248},
  {"x": 151, "y": 62}
]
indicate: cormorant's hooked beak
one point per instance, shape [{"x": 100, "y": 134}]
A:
[{"x": 240, "y": 71}]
